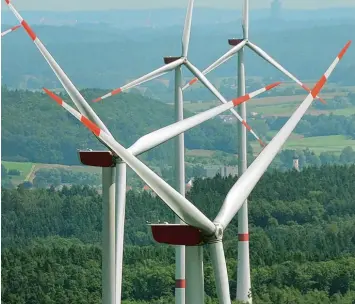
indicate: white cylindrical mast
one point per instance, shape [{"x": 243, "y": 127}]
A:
[
  {"x": 243, "y": 267},
  {"x": 180, "y": 187},
  {"x": 243, "y": 271},
  {"x": 108, "y": 235},
  {"x": 120, "y": 206}
]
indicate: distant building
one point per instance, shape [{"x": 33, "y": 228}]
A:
[
  {"x": 276, "y": 9},
  {"x": 189, "y": 185},
  {"x": 229, "y": 119},
  {"x": 224, "y": 171},
  {"x": 296, "y": 164}
]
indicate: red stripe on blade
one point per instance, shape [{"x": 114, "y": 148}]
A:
[
  {"x": 97, "y": 99},
  {"x": 15, "y": 27},
  {"x": 180, "y": 283},
  {"x": 240, "y": 100},
  {"x": 7, "y": 1},
  {"x": 53, "y": 96},
  {"x": 193, "y": 81},
  {"x": 28, "y": 30},
  {"x": 306, "y": 88},
  {"x": 318, "y": 86},
  {"x": 94, "y": 128},
  {"x": 243, "y": 237},
  {"x": 261, "y": 143},
  {"x": 246, "y": 125},
  {"x": 343, "y": 51},
  {"x": 119, "y": 90},
  {"x": 271, "y": 86}
]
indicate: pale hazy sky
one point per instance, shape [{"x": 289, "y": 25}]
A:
[{"x": 65, "y": 5}]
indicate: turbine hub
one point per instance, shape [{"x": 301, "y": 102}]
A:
[{"x": 216, "y": 237}]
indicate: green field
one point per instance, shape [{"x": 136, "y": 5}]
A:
[
  {"x": 24, "y": 168},
  {"x": 335, "y": 143},
  {"x": 282, "y": 105}
]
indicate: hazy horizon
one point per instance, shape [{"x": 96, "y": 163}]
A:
[{"x": 91, "y": 5}]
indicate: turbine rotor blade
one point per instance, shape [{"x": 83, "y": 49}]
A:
[
  {"x": 14, "y": 28},
  {"x": 187, "y": 29},
  {"x": 184, "y": 209},
  {"x": 245, "y": 23},
  {"x": 160, "y": 136},
  {"x": 220, "y": 272},
  {"x": 74, "y": 94},
  {"x": 215, "y": 92},
  {"x": 246, "y": 183},
  {"x": 150, "y": 76},
  {"x": 218, "y": 62},
  {"x": 273, "y": 62}
]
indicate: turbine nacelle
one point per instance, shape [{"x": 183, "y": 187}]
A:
[{"x": 185, "y": 235}]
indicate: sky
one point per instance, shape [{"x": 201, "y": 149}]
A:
[{"x": 70, "y": 5}]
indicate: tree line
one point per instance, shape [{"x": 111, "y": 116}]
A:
[{"x": 302, "y": 227}]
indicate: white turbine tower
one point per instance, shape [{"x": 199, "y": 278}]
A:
[
  {"x": 200, "y": 230},
  {"x": 14, "y": 28},
  {"x": 243, "y": 266}
]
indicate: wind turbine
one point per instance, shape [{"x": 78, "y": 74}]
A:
[
  {"x": 238, "y": 45},
  {"x": 199, "y": 229},
  {"x": 14, "y": 28},
  {"x": 108, "y": 172},
  {"x": 175, "y": 63},
  {"x": 112, "y": 242},
  {"x": 81, "y": 104},
  {"x": 160, "y": 136}
]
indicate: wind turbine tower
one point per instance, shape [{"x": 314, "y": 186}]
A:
[{"x": 243, "y": 266}]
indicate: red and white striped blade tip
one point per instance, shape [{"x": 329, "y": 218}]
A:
[
  {"x": 86, "y": 122},
  {"x": 318, "y": 87},
  {"x": 239, "y": 100},
  {"x": 114, "y": 92},
  {"x": 53, "y": 96}
]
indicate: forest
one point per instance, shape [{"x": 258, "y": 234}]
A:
[
  {"x": 302, "y": 239},
  {"x": 54, "y": 136}
]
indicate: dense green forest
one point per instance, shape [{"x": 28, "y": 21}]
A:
[
  {"x": 302, "y": 241},
  {"x": 43, "y": 132}
]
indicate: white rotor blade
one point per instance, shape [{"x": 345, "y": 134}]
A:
[
  {"x": 215, "y": 92},
  {"x": 273, "y": 62},
  {"x": 184, "y": 209},
  {"x": 220, "y": 272},
  {"x": 246, "y": 183},
  {"x": 245, "y": 23},
  {"x": 150, "y": 76},
  {"x": 187, "y": 29},
  {"x": 74, "y": 94},
  {"x": 160, "y": 136},
  {"x": 218, "y": 62},
  {"x": 14, "y": 28}
]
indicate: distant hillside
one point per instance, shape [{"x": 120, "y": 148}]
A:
[
  {"x": 104, "y": 57},
  {"x": 36, "y": 129}
]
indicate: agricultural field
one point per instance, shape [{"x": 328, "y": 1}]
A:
[
  {"x": 25, "y": 169},
  {"x": 335, "y": 144},
  {"x": 283, "y": 105}
]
